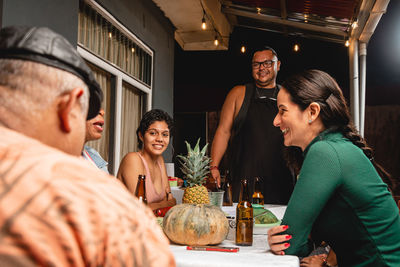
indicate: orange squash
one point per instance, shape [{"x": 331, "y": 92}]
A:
[{"x": 196, "y": 224}]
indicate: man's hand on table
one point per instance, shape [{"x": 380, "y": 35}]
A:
[{"x": 314, "y": 261}]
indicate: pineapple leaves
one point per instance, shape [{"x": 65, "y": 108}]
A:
[
  {"x": 203, "y": 151},
  {"x": 195, "y": 165}
]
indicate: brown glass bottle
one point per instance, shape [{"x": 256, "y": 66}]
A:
[
  {"x": 244, "y": 217},
  {"x": 228, "y": 190},
  {"x": 140, "y": 192},
  {"x": 258, "y": 197}
]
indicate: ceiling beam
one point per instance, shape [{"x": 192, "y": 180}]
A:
[
  {"x": 283, "y": 9},
  {"x": 365, "y": 8},
  {"x": 304, "y": 35},
  {"x": 278, "y": 20},
  {"x": 369, "y": 16}
]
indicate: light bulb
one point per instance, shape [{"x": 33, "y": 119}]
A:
[
  {"x": 203, "y": 24},
  {"x": 243, "y": 49},
  {"x": 354, "y": 25},
  {"x": 296, "y": 47},
  {"x": 216, "y": 41},
  {"x": 347, "y": 43}
]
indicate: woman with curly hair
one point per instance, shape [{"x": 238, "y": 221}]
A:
[{"x": 153, "y": 135}]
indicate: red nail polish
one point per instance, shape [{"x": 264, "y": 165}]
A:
[
  {"x": 285, "y": 227},
  {"x": 282, "y": 253},
  {"x": 287, "y": 244},
  {"x": 288, "y": 236}
]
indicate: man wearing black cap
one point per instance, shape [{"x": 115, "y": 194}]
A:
[{"x": 55, "y": 209}]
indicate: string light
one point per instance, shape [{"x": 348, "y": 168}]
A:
[
  {"x": 133, "y": 50},
  {"x": 203, "y": 23},
  {"x": 243, "y": 49},
  {"x": 203, "y": 20},
  {"x": 347, "y": 43},
  {"x": 110, "y": 35},
  {"x": 258, "y": 10},
  {"x": 296, "y": 48},
  {"x": 354, "y": 24},
  {"x": 212, "y": 27}
]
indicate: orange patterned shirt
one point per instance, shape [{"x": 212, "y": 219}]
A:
[{"x": 58, "y": 210}]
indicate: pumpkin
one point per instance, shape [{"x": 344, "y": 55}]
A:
[{"x": 196, "y": 224}]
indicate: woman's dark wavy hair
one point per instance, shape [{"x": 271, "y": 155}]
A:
[
  {"x": 149, "y": 118},
  {"x": 318, "y": 86}
]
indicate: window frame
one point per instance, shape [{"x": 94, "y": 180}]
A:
[{"x": 120, "y": 76}]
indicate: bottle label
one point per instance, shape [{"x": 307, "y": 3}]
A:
[{"x": 245, "y": 214}]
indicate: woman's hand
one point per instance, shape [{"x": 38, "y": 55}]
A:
[
  {"x": 277, "y": 243},
  {"x": 313, "y": 261},
  {"x": 169, "y": 194}
]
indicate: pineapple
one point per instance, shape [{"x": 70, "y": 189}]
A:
[{"x": 195, "y": 168}]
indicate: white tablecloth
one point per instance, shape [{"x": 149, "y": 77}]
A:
[{"x": 256, "y": 255}]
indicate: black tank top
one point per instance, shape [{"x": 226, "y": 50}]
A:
[{"x": 256, "y": 148}]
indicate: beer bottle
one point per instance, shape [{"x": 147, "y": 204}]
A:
[
  {"x": 244, "y": 217},
  {"x": 228, "y": 190},
  {"x": 258, "y": 197},
  {"x": 140, "y": 192}
]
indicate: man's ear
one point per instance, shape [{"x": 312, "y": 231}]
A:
[
  {"x": 67, "y": 103},
  {"x": 314, "y": 109},
  {"x": 278, "y": 65}
]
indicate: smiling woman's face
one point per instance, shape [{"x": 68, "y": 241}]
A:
[
  {"x": 156, "y": 138},
  {"x": 292, "y": 121}
]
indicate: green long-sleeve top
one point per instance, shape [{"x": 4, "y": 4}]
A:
[{"x": 340, "y": 198}]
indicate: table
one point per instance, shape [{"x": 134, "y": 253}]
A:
[{"x": 256, "y": 255}]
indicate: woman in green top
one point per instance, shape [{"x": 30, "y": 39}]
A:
[{"x": 339, "y": 196}]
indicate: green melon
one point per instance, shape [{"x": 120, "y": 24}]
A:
[{"x": 263, "y": 216}]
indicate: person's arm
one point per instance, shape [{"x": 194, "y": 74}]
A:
[
  {"x": 223, "y": 132},
  {"x": 163, "y": 203},
  {"x": 320, "y": 176},
  {"x": 142, "y": 242},
  {"x": 101, "y": 224},
  {"x": 130, "y": 168}
]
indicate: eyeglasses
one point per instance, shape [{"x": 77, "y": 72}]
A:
[{"x": 265, "y": 64}]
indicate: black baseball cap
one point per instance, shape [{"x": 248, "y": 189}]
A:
[{"x": 42, "y": 45}]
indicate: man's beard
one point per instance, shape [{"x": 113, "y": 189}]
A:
[{"x": 266, "y": 83}]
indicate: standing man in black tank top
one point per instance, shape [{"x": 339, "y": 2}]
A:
[{"x": 254, "y": 146}]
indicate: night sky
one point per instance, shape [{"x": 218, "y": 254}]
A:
[
  {"x": 383, "y": 59},
  {"x": 207, "y": 76}
]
